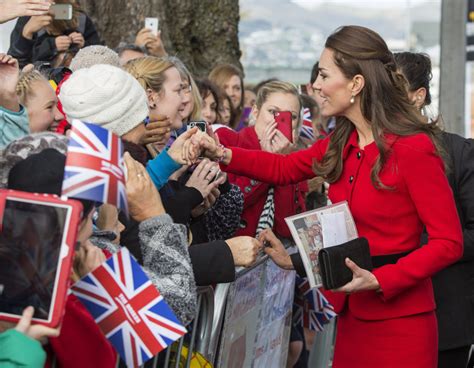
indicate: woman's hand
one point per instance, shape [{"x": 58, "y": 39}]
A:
[
  {"x": 203, "y": 177},
  {"x": 280, "y": 144},
  {"x": 267, "y": 136},
  {"x": 11, "y": 9},
  {"x": 180, "y": 147},
  {"x": 77, "y": 39},
  {"x": 275, "y": 249},
  {"x": 144, "y": 36},
  {"x": 208, "y": 145},
  {"x": 158, "y": 131},
  {"x": 9, "y": 74},
  {"x": 88, "y": 257},
  {"x": 36, "y": 23},
  {"x": 37, "y": 332},
  {"x": 208, "y": 202},
  {"x": 244, "y": 250},
  {"x": 362, "y": 280},
  {"x": 155, "y": 47},
  {"x": 274, "y": 141},
  {"x": 144, "y": 201},
  {"x": 62, "y": 43}
]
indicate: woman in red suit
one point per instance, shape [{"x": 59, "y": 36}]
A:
[
  {"x": 287, "y": 200},
  {"x": 383, "y": 159}
]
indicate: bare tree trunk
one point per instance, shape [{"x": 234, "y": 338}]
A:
[{"x": 202, "y": 33}]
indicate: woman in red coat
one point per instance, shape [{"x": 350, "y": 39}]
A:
[
  {"x": 382, "y": 159},
  {"x": 287, "y": 200}
]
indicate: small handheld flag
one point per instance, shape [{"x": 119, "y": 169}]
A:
[
  {"x": 94, "y": 166},
  {"x": 128, "y": 309}
]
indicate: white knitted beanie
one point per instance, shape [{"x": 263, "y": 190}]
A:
[
  {"x": 92, "y": 55},
  {"x": 106, "y": 96}
]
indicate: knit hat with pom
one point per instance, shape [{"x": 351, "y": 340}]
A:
[{"x": 107, "y": 96}]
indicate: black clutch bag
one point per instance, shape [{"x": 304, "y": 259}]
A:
[{"x": 333, "y": 269}]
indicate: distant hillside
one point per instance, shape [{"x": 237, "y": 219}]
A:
[{"x": 279, "y": 38}]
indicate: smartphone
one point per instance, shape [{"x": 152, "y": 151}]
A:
[
  {"x": 200, "y": 124},
  {"x": 284, "y": 124},
  {"x": 152, "y": 24},
  {"x": 62, "y": 11}
]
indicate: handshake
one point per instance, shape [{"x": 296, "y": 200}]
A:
[{"x": 191, "y": 146}]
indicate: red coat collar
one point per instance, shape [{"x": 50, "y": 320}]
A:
[{"x": 371, "y": 150}]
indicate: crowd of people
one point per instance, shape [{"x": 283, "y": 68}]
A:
[{"x": 205, "y": 199}]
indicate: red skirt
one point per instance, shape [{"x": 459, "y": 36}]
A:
[{"x": 408, "y": 342}]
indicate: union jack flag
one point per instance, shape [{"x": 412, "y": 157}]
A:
[
  {"x": 311, "y": 309},
  {"x": 94, "y": 166},
  {"x": 128, "y": 309},
  {"x": 307, "y": 126}
]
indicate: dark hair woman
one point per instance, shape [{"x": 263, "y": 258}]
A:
[
  {"x": 383, "y": 159},
  {"x": 452, "y": 286},
  {"x": 211, "y": 101}
]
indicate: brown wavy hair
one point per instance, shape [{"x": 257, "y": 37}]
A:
[
  {"x": 220, "y": 75},
  {"x": 59, "y": 27},
  {"x": 383, "y": 100}
]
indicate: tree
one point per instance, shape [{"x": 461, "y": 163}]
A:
[{"x": 201, "y": 33}]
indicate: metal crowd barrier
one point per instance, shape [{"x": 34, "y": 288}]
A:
[
  {"x": 196, "y": 340},
  {"x": 206, "y": 331}
]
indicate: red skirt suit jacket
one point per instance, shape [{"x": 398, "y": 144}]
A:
[
  {"x": 289, "y": 199},
  {"x": 391, "y": 220}
]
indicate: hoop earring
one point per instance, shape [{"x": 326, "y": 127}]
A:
[{"x": 352, "y": 100}]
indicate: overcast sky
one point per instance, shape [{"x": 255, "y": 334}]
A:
[{"x": 365, "y": 3}]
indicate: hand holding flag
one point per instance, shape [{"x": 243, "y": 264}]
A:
[{"x": 128, "y": 309}]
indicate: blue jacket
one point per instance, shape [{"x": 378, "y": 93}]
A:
[{"x": 13, "y": 125}]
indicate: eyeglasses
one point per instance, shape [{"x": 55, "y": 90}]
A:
[{"x": 186, "y": 89}]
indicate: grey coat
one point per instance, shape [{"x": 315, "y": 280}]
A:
[{"x": 166, "y": 261}]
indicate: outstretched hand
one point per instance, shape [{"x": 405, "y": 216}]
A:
[
  {"x": 275, "y": 249},
  {"x": 144, "y": 200},
  {"x": 244, "y": 250},
  {"x": 182, "y": 146},
  {"x": 205, "y": 145},
  {"x": 11, "y": 9}
]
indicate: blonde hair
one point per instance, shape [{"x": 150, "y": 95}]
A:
[
  {"x": 282, "y": 87},
  {"x": 24, "y": 88},
  {"x": 149, "y": 71},
  {"x": 195, "y": 95}
]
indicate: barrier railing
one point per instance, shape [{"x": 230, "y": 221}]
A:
[
  {"x": 197, "y": 340},
  {"x": 257, "y": 319},
  {"x": 248, "y": 320}
]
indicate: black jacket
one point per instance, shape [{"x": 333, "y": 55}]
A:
[
  {"x": 454, "y": 286},
  {"x": 43, "y": 47},
  {"x": 212, "y": 262}
]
